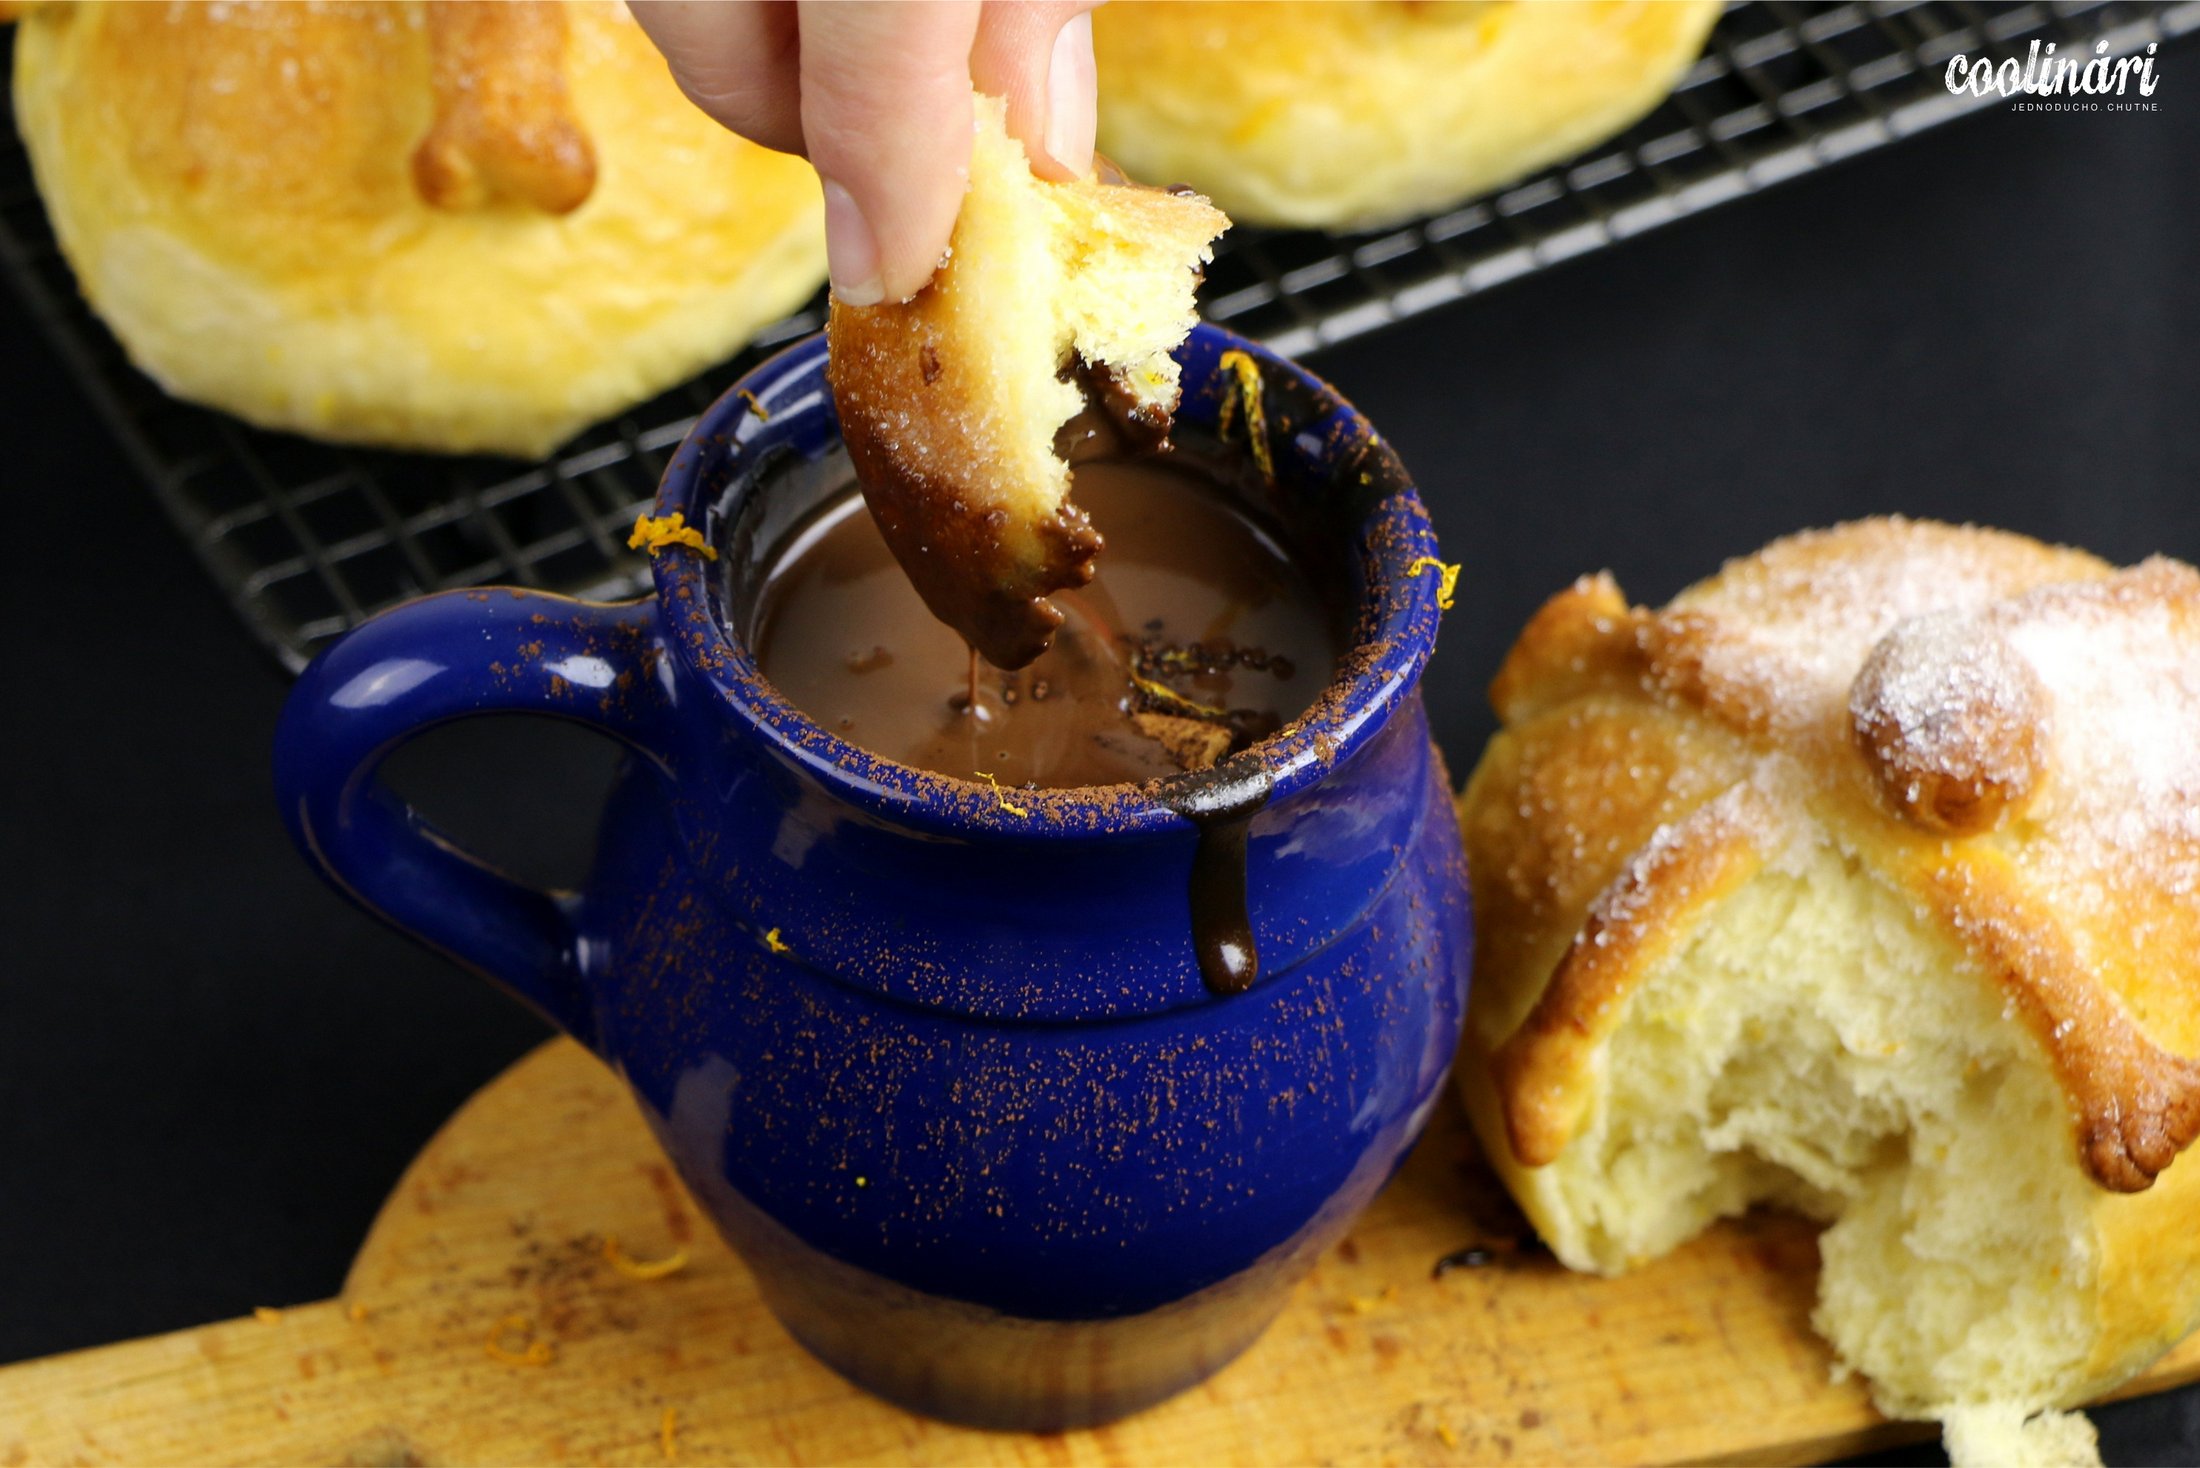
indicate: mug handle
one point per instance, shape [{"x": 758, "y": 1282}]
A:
[{"x": 451, "y": 656}]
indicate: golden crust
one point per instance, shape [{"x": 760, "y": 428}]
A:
[
  {"x": 2077, "y": 897},
  {"x": 1585, "y": 637},
  {"x": 2137, "y": 1105},
  {"x": 235, "y": 188},
  {"x": 2148, "y": 1250},
  {"x": 1552, "y": 815},
  {"x": 1354, "y": 115},
  {"x": 504, "y": 123},
  {"x": 1546, "y": 1068}
]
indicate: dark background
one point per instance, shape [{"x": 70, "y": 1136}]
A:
[{"x": 212, "y": 1070}]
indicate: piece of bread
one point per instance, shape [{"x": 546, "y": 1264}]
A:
[
  {"x": 2004, "y": 1437},
  {"x": 1359, "y": 114},
  {"x": 1052, "y": 293},
  {"x": 1863, "y": 880},
  {"x": 451, "y": 226}
]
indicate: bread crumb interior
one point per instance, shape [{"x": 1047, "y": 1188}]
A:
[{"x": 1806, "y": 1049}]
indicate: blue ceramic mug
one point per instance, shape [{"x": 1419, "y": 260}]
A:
[{"x": 941, "y": 1066}]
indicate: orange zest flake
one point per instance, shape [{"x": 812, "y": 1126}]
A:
[
  {"x": 1247, "y": 400},
  {"x": 1154, "y": 689},
  {"x": 1446, "y": 1436},
  {"x": 774, "y": 942},
  {"x": 1001, "y": 795},
  {"x": 267, "y": 1314},
  {"x": 668, "y": 1435},
  {"x": 756, "y": 407},
  {"x": 672, "y": 1263},
  {"x": 536, "y": 1351},
  {"x": 1369, "y": 1304},
  {"x": 653, "y": 533},
  {"x": 1446, "y": 587}
]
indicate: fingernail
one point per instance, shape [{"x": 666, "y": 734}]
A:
[
  {"x": 851, "y": 250},
  {"x": 1071, "y": 121}
]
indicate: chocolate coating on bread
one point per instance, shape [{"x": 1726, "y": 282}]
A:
[
  {"x": 980, "y": 569},
  {"x": 1055, "y": 298}
]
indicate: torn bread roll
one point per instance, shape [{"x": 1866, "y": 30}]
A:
[
  {"x": 950, "y": 402},
  {"x": 1864, "y": 880}
]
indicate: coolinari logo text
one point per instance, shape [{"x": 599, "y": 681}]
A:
[{"x": 2044, "y": 74}]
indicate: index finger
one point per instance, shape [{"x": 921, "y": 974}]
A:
[{"x": 886, "y": 117}]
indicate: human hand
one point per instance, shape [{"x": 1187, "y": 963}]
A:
[{"x": 876, "y": 94}]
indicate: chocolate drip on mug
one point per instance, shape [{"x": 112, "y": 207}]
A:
[{"x": 1222, "y": 803}]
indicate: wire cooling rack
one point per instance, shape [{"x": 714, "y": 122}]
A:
[{"x": 305, "y": 539}]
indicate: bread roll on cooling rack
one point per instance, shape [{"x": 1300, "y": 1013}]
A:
[
  {"x": 1864, "y": 880},
  {"x": 1356, "y": 114},
  {"x": 451, "y": 226}
]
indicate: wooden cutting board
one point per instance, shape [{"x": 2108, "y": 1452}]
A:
[{"x": 497, "y": 1234}]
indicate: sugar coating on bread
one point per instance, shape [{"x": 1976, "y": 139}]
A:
[
  {"x": 1951, "y": 719},
  {"x": 462, "y": 228},
  {"x": 950, "y": 402},
  {"x": 1860, "y": 880}
]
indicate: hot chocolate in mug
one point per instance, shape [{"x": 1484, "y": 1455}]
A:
[{"x": 940, "y": 1063}]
